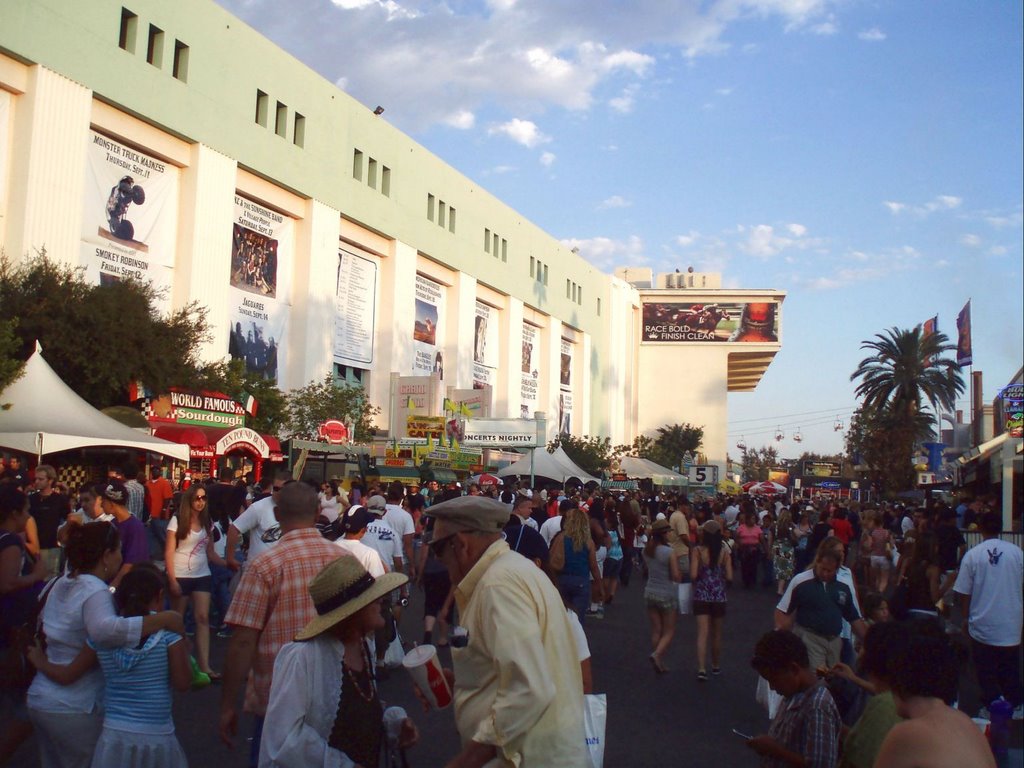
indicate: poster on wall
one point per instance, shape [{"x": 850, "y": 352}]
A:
[
  {"x": 261, "y": 247},
  {"x": 130, "y": 220},
  {"x": 564, "y": 412},
  {"x": 6, "y": 104},
  {"x": 712, "y": 322},
  {"x": 529, "y": 375},
  {"x": 428, "y": 330},
  {"x": 565, "y": 388},
  {"x": 485, "y": 346},
  {"x": 355, "y": 301}
]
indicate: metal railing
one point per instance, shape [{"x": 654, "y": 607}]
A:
[{"x": 1014, "y": 537}]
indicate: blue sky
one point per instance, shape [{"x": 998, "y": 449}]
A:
[{"x": 865, "y": 157}]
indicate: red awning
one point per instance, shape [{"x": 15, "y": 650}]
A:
[{"x": 206, "y": 438}]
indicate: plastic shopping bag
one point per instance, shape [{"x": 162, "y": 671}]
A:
[
  {"x": 685, "y": 598},
  {"x": 595, "y": 716}
]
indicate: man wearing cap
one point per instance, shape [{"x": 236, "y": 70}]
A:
[
  {"x": 518, "y": 700},
  {"x": 388, "y": 544},
  {"x": 134, "y": 542},
  {"x": 353, "y": 527},
  {"x": 271, "y": 605},
  {"x": 523, "y": 538}
]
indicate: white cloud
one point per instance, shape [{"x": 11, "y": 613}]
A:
[
  {"x": 547, "y": 159},
  {"x": 797, "y": 230},
  {"x": 498, "y": 170},
  {"x": 624, "y": 102},
  {"x": 615, "y": 201},
  {"x": 688, "y": 239},
  {"x": 971, "y": 241},
  {"x": 723, "y": 91},
  {"x": 894, "y": 207},
  {"x": 825, "y": 28},
  {"x": 873, "y": 35},
  {"x": 944, "y": 202},
  {"x": 997, "y": 250},
  {"x": 523, "y": 132},
  {"x": 463, "y": 120},
  {"x": 764, "y": 241},
  {"x": 938, "y": 203},
  {"x": 607, "y": 253}
]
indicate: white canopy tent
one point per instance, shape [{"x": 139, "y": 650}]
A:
[
  {"x": 556, "y": 466},
  {"x": 645, "y": 468},
  {"x": 46, "y": 416}
]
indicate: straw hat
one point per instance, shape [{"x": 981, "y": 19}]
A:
[
  {"x": 660, "y": 525},
  {"x": 343, "y": 588}
]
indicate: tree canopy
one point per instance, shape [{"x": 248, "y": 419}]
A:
[{"x": 319, "y": 401}]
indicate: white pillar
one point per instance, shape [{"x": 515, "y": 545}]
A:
[
  {"x": 460, "y": 328},
  {"x": 311, "y": 333},
  {"x": 508, "y": 393}
]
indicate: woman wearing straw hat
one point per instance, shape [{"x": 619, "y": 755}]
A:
[{"x": 324, "y": 708}]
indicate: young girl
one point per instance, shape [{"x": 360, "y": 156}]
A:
[{"x": 138, "y": 729}]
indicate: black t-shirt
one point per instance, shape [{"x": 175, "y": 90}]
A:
[
  {"x": 18, "y": 477},
  {"x": 49, "y": 513},
  {"x": 223, "y": 497},
  {"x": 950, "y": 540},
  {"x": 16, "y": 606}
]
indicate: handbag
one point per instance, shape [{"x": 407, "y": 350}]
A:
[
  {"x": 595, "y": 717},
  {"x": 396, "y": 651},
  {"x": 685, "y": 592}
]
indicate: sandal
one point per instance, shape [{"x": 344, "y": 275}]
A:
[
  {"x": 716, "y": 671},
  {"x": 702, "y": 676}
]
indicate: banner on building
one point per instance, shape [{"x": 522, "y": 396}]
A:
[
  {"x": 564, "y": 412},
  {"x": 1011, "y": 405},
  {"x": 964, "y": 354},
  {"x": 485, "y": 346},
  {"x": 529, "y": 375},
  {"x": 519, "y": 433},
  {"x": 130, "y": 222},
  {"x": 471, "y": 403},
  {"x": 428, "y": 328},
  {"x": 415, "y": 396},
  {"x": 6, "y": 101},
  {"x": 261, "y": 254},
  {"x": 685, "y": 322},
  {"x": 822, "y": 469},
  {"x": 355, "y": 295}
]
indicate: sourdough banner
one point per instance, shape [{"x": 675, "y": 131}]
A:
[
  {"x": 130, "y": 220},
  {"x": 261, "y": 259}
]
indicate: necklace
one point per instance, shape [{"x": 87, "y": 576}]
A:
[{"x": 366, "y": 696}]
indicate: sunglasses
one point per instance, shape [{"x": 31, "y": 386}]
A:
[
  {"x": 199, "y": 498},
  {"x": 438, "y": 547}
]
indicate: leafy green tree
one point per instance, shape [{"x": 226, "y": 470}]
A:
[
  {"x": 232, "y": 379},
  {"x": 907, "y": 372},
  {"x": 318, "y": 401},
  {"x": 591, "y": 454},
  {"x": 757, "y": 462},
  {"x": 10, "y": 365},
  {"x": 674, "y": 440},
  {"x": 98, "y": 338}
]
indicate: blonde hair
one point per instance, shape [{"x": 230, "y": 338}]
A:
[{"x": 576, "y": 527}]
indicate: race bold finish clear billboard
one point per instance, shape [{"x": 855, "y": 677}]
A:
[{"x": 710, "y": 322}]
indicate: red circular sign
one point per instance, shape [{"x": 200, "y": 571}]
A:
[{"x": 334, "y": 432}]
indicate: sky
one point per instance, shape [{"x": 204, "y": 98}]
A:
[{"x": 865, "y": 156}]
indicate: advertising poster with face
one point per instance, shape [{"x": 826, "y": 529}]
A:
[
  {"x": 5, "y": 150},
  {"x": 131, "y": 216},
  {"x": 355, "y": 297},
  {"x": 261, "y": 248},
  {"x": 485, "y": 346},
  {"x": 529, "y": 375},
  {"x": 428, "y": 331},
  {"x": 711, "y": 322},
  {"x": 565, "y": 388}
]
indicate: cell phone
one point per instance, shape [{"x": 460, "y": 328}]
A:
[{"x": 742, "y": 735}]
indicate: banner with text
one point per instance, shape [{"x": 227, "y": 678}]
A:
[
  {"x": 679, "y": 322},
  {"x": 130, "y": 222},
  {"x": 6, "y": 101},
  {"x": 485, "y": 346},
  {"x": 261, "y": 261},
  {"x": 355, "y": 294},
  {"x": 519, "y": 433},
  {"x": 529, "y": 375},
  {"x": 428, "y": 328}
]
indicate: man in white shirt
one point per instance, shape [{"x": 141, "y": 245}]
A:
[
  {"x": 990, "y": 584},
  {"x": 551, "y": 527},
  {"x": 382, "y": 537},
  {"x": 402, "y": 524},
  {"x": 522, "y": 508},
  {"x": 353, "y": 527},
  {"x": 259, "y": 521},
  {"x": 731, "y": 513}
]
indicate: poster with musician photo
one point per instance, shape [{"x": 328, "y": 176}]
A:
[
  {"x": 529, "y": 400},
  {"x": 485, "y": 346},
  {"x": 428, "y": 328},
  {"x": 5, "y": 150},
  {"x": 261, "y": 248},
  {"x": 130, "y": 221}
]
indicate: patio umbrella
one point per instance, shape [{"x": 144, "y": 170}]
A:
[
  {"x": 485, "y": 479},
  {"x": 767, "y": 488}
]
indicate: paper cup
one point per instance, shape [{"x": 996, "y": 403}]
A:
[{"x": 423, "y": 665}]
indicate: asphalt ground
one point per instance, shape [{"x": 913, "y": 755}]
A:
[{"x": 653, "y": 720}]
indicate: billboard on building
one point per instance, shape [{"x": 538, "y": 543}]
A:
[
  {"x": 428, "y": 328},
  {"x": 485, "y": 346},
  {"x": 823, "y": 469},
  {"x": 529, "y": 375},
  {"x": 565, "y": 387},
  {"x": 261, "y": 250},
  {"x": 130, "y": 222},
  {"x": 355, "y": 295},
  {"x": 6, "y": 101},
  {"x": 710, "y": 322}
]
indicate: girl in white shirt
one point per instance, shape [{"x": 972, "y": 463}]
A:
[{"x": 188, "y": 554}]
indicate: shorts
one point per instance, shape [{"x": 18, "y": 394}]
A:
[
  {"x": 714, "y": 610},
  {"x": 435, "y": 591},
  {"x": 612, "y": 567},
  {"x": 196, "y": 584},
  {"x": 660, "y": 603},
  {"x": 881, "y": 561}
]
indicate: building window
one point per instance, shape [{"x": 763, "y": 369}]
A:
[
  {"x": 545, "y": 280},
  {"x": 441, "y": 210},
  {"x": 357, "y": 165},
  {"x": 504, "y": 250},
  {"x": 299, "y": 133},
  {"x": 385, "y": 181},
  {"x": 579, "y": 295},
  {"x": 371, "y": 173},
  {"x": 533, "y": 266},
  {"x": 180, "y": 70},
  {"x": 262, "y": 108},
  {"x": 451, "y": 219},
  {"x": 430, "y": 206},
  {"x": 129, "y": 27},
  {"x": 281, "y": 120},
  {"x": 155, "y": 47},
  {"x": 567, "y": 288},
  {"x": 487, "y": 240},
  {"x": 599, "y": 307}
]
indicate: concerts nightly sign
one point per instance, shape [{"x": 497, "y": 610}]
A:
[{"x": 710, "y": 322}]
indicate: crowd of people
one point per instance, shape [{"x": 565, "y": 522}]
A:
[{"x": 308, "y": 582}]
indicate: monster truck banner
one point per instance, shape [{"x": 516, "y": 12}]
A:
[
  {"x": 710, "y": 322},
  {"x": 261, "y": 260},
  {"x": 131, "y": 216},
  {"x": 428, "y": 328},
  {"x": 355, "y": 296},
  {"x": 529, "y": 375},
  {"x": 485, "y": 346}
]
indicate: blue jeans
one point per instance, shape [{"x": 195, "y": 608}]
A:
[
  {"x": 157, "y": 533},
  {"x": 219, "y": 594},
  {"x": 576, "y": 593},
  {"x": 257, "y": 737}
]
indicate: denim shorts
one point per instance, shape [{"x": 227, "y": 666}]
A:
[{"x": 197, "y": 584}]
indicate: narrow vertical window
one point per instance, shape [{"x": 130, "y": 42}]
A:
[
  {"x": 487, "y": 240},
  {"x": 533, "y": 266},
  {"x": 129, "y": 28},
  {"x": 579, "y": 296},
  {"x": 299, "y": 132},
  {"x": 430, "y": 207},
  {"x": 599, "y": 307},
  {"x": 442, "y": 209},
  {"x": 371, "y": 173},
  {"x": 180, "y": 65},
  {"x": 155, "y": 47},
  {"x": 451, "y": 219},
  {"x": 545, "y": 281},
  {"x": 385, "y": 181},
  {"x": 494, "y": 242},
  {"x": 357, "y": 165},
  {"x": 281, "y": 120},
  {"x": 262, "y": 107},
  {"x": 567, "y": 288},
  {"x": 504, "y": 249}
]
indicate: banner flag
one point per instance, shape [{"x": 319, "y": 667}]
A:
[
  {"x": 928, "y": 328},
  {"x": 963, "y": 342}
]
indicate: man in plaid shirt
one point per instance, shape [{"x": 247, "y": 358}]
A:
[
  {"x": 271, "y": 605},
  {"x": 805, "y": 731}
]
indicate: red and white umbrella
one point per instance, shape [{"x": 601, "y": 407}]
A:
[
  {"x": 485, "y": 479},
  {"x": 766, "y": 488}
]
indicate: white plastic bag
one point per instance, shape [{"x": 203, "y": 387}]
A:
[
  {"x": 595, "y": 717},
  {"x": 767, "y": 698},
  {"x": 685, "y": 598},
  {"x": 395, "y": 653}
]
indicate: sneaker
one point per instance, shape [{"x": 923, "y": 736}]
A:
[
  {"x": 1018, "y": 712},
  {"x": 224, "y": 633}
]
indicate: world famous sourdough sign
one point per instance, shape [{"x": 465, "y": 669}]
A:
[
  {"x": 261, "y": 266},
  {"x": 130, "y": 221}
]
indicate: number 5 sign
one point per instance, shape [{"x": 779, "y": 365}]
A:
[{"x": 703, "y": 474}]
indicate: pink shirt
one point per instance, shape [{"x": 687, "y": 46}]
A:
[{"x": 748, "y": 535}]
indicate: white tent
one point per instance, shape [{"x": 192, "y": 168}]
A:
[
  {"x": 645, "y": 468},
  {"x": 556, "y": 466},
  {"x": 46, "y": 416}
]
